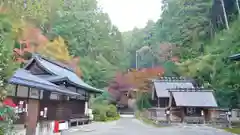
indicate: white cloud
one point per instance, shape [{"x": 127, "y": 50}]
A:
[{"x": 127, "y": 14}]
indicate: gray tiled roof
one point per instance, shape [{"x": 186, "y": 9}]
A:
[
  {"x": 62, "y": 71},
  {"x": 52, "y": 78},
  {"x": 25, "y": 78},
  {"x": 194, "y": 98},
  {"x": 162, "y": 87}
]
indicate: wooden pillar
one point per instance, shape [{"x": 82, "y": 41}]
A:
[
  {"x": 60, "y": 108},
  {"x": 170, "y": 100},
  {"x": 182, "y": 114},
  {"x": 32, "y": 118}
]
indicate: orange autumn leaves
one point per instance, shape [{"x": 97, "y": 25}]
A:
[
  {"x": 135, "y": 79},
  {"x": 140, "y": 78},
  {"x": 32, "y": 40}
]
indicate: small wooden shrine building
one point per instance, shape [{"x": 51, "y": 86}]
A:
[
  {"x": 47, "y": 90},
  {"x": 192, "y": 105},
  {"x": 184, "y": 101},
  {"x": 160, "y": 92}
]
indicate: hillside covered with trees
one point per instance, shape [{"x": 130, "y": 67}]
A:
[
  {"x": 77, "y": 33},
  {"x": 192, "y": 38},
  {"x": 199, "y": 35}
]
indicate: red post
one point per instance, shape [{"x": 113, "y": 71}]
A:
[{"x": 56, "y": 127}]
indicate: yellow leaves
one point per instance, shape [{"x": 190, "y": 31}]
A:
[{"x": 56, "y": 49}]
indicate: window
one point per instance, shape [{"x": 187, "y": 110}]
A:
[
  {"x": 190, "y": 110},
  {"x": 238, "y": 113},
  {"x": 164, "y": 102}
]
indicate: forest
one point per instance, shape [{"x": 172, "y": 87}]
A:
[
  {"x": 199, "y": 35},
  {"x": 192, "y": 38}
]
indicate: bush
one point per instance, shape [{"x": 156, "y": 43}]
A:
[
  {"x": 100, "y": 117},
  {"x": 2, "y": 132},
  {"x": 105, "y": 112},
  {"x": 112, "y": 111}
]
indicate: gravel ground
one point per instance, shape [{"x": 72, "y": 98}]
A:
[{"x": 132, "y": 126}]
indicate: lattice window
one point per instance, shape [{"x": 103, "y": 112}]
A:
[
  {"x": 238, "y": 113},
  {"x": 191, "y": 110}
]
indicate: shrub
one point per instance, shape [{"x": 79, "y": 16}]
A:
[
  {"x": 100, "y": 117},
  {"x": 105, "y": 112},
  {"x": 111, "y": 111}
]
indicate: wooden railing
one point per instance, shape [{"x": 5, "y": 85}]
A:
[{"x": 194, "y": 120}]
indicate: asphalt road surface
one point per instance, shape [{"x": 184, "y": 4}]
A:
[{"x": 132, "y": 126}]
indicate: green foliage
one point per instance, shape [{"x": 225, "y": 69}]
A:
[
  {"x": 143, "y": 101},
  {"x": 7, "y": 67},
  {"x": 136, "y": 39},
  {"x": 202, "y": 46},
  {"x": 233, "y": 130},
  {"x": 185, "y": 23},
  {"x": 215, "y": 68},
  {"x": 139, "y": 115},
  {"x": 7, "y": 42},
  {"x": 112, "y": 111},
  {"x": 35, "y": 11},
  {"x": 105, "y": 112},
  {"x": 102, "y": 110},
  {"x": 9, "y": 116},
  {"x": 90, "y": 35},
  {"x": 170, "y": 68}
]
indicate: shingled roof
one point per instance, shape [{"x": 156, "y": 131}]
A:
[
  {"x": 163, "y": 84},
  {"x": 194, "y": 97},
  {"x": 61, "y": 71},
  {"x": 25, "y": 78}
]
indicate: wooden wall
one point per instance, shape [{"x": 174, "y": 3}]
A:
[{"x": 57, "y": 110}]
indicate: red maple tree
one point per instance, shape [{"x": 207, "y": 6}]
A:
[{"x": 133, "y": 80}]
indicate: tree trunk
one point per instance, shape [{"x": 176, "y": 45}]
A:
[
  {"x": 237, "y": 3},
  {"x": 225, "y": 14}
]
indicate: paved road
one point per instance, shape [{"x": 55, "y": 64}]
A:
[{"x": 131, "y": 126}]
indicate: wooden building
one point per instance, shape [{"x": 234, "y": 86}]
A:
[
  {"x": 184, "y": 101},
  {"x": 160, "y": 92},
  {"x": 191, "y": 105},
  {"x": 51, "y": 87}
]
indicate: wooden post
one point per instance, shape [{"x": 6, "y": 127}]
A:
[
  {"x": 182, "y": 114},
  {"x": 170, "y": 100},
  {"x": 32, "y": 118},
  {"x": 60, "y": 108}
]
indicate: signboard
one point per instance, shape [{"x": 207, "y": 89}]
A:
[
  {"x": 54, "y": 96},
  {"x": 34, "y": 93},
  {"x": 63, "y": 125},
  {"x": 22, "y": 91}
]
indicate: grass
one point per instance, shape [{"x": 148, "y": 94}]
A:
[
  {"x": 150, "y": 122},
  {"x": 113, "y": 118},
  {"x": 145, "y": 120},
  {"x": 106, "y": 119},
  {"x": 233, "y": 130}
]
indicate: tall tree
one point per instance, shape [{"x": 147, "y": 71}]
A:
[{"x": 90, "y": 35}]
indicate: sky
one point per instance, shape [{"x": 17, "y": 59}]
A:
[{"x": 127, "y": 14}]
